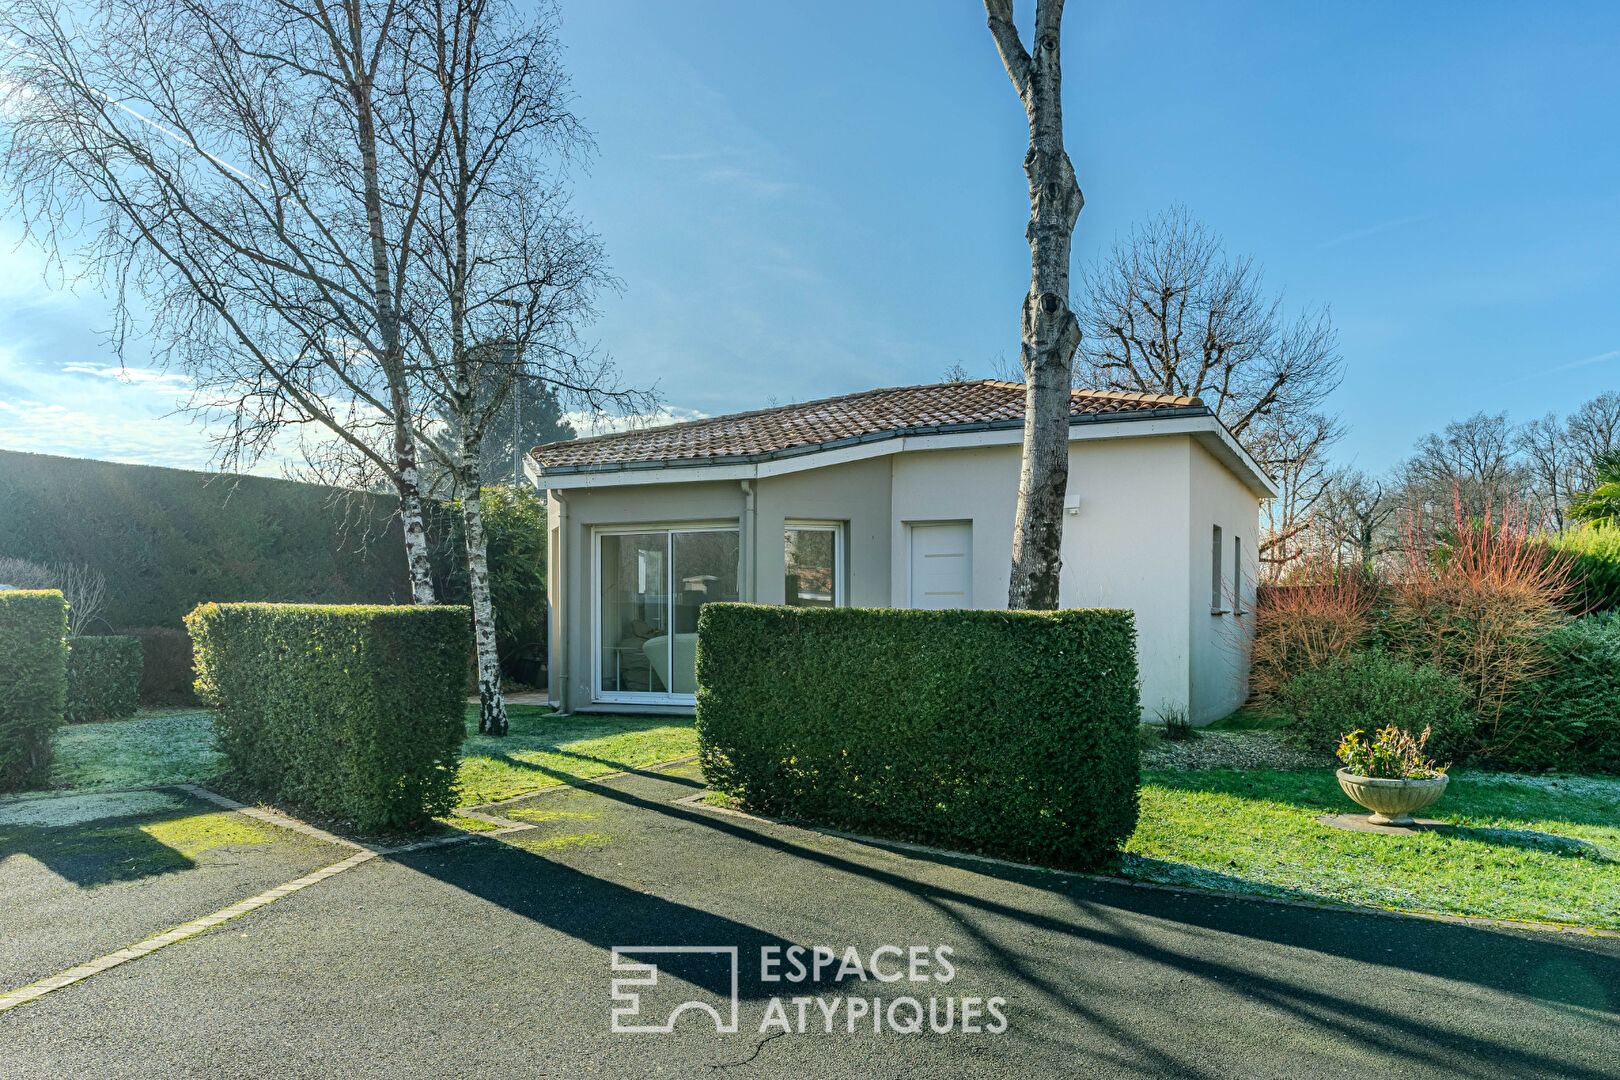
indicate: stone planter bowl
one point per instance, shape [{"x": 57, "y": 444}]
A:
[{"x": 1392, "y": 801}]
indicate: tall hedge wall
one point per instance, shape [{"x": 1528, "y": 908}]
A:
[
  {"x": 168, "y": 539},
  {"x": 104, "y": 678},
  {"x": 33, "y": 682},
  {"x": 1011, "y": 733},
  {"x": 354, "y": 711}
]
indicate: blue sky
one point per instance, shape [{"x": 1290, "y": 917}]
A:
[{"x": 811, "y": 199}]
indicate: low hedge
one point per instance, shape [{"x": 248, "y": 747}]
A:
[
  {"x": 33, "y": 683},
  {"x": 1570, "y": 719},
  {"x": 352, "y": 711},
  {"x": 104, "y": 678},
  {"x": 167, "y": 674},
  {"x": 1011, "y": 733},
  {"x": 1594, "y": 554},
  {"x": 1374, "y": 690}
]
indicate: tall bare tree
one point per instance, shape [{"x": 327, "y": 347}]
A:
[
  {"x": 507, "y": 272},
  {"x": 1473, "y": 462},
  {"x": 217, "y": 169},
  {"x": 1356, "y": 516},
  {"x": 1549, "y": 462},
  {"x": 1593, "y": 430},
  {"x": 1049, "y": 330},
  {"x": 1294, "y": 454},
  {"x": 1169, "y": 311}
]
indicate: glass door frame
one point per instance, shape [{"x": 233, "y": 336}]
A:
[{"x": 669, "y": 529}]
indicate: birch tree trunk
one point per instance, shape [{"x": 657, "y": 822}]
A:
[
  {"x": 491, "y": 705},
  {"x": 1050, "y": 333},
  {"x": 408, "y": 483},
  {"x": 407, "y": 480}
]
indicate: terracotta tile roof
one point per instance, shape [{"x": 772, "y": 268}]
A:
[{"x": 831, "y": 422}]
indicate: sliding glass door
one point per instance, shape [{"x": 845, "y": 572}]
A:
[{"x": 650, "y": 584}]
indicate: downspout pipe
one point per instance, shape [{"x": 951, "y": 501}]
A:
[
  {"x": 750, "y": 545},
  {"x": 563, "y": 645}
]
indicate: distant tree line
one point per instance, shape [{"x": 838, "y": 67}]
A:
[{"x": 1548, "y": 471}]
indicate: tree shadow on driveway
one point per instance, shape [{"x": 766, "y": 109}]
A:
[
  {"x": 103, "y": 849},
  {"x": 1211, "y": 941}
]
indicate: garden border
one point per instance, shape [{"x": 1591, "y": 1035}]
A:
[{"x": 1573, "y": 929}]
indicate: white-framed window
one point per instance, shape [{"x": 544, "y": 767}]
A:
[
  {"x": 1217, "y": 597},
  {"x": 813, "y": 560},
  {"x": 1237, "y": 575},
  {"x": 648, "y": 583}
]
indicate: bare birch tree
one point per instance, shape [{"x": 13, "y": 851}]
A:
[
  {"x": 1049, "y": 330},
  {"x": 217, "y": 170},
  {"x": 508, "y": 273}
]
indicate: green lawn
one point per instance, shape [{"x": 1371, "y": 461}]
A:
[
  {"x": 157, "y": 746},
  {"x": 541, "y": 750},
  {"x": 1522, "y": 847}
]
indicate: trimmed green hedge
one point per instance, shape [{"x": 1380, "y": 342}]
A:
[
  {"x": 1373, "y": 690},
  {"x": 166, "y": 671},
  {"x": 104, "y": 678},
  {"x": 1569, "y": 720},
  {"x": 354, "y": 711},
  {"x": 1010, "y": 733},
  {"x": 33, "y": 682},
  {"x": 168, "y": 539},
  {"x": 1595, "y": 569}
]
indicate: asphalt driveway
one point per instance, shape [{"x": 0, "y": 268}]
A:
[
  {"x": 84, "y": 875},
  {"x": 494, "y": 958}
]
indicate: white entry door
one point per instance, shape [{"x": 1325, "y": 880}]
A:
[{"x": 942, "y": 565}]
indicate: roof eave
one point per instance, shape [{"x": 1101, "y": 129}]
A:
[{"x": 541, "y": 470}]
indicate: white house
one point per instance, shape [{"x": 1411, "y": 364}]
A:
[{"x": 898, "y": 497}]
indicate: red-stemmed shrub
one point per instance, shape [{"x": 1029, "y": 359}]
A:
[
  {"x": 1476, "y": 597},
  {"x": 1322, "y": 613}
]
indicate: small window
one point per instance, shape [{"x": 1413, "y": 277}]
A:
[
  {"x": 1237, "y": 574},
  {"x": 1217, "y": 600},
  {"x": 815, "y": 565}
]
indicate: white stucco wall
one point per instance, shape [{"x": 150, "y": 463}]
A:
[
  {"x": 1138, "y": 538},
  {"x": 1219, "y": 669},
  {"x": 978, "y": 485},
  {"x": 857, "y": 495},
  {"x": 1125, "y": 546}
]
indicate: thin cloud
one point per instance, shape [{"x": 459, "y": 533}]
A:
[
  {"x": 1374, "y": 230},
  {"x": 131, "y": 376},
  {"x": 1600, "y": 358},
  {"x": 587, "y": 424}
]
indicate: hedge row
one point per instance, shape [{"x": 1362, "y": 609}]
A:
[
  {"x": 1595, "y": 568},
  {"x": 168, "y": 539},
  {"x": 104, "y": 678},
  {"x": 355, "y": 712},
  {"x": 167, "y": 675},
  {"x": 1011, "y": 733},
  {"x": 1570, "y": 719},
  {"x": 33, "y": 682}
]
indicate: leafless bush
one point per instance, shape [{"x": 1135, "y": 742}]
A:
[
  {"x": 1477, "y": 598},
  {"x": 84, "y": 587},
  {"x": 1324, "y": 614}
]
